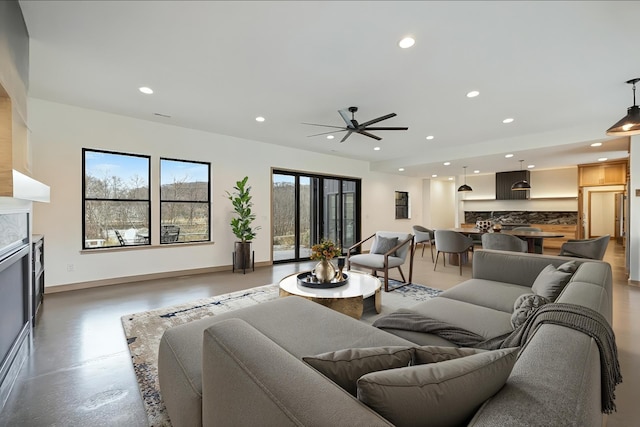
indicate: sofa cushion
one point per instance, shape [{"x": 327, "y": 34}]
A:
[
  {"x": 441, "y": 394},
  {"x": 552, "y": 280},
  {"x": 344, "y": 367},
  {"x": 524, "y": 306},
  {"x": 487, "y": 293},
  {"x": 382, "y": 245},
  {"x": 434, "y": 354}
]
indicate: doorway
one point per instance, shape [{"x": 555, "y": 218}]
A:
[
  {"x": 603, "y": 215},
  {"x": 308, "y": 208}
]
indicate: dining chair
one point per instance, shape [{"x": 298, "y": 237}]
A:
[
  {"x": 503, "y": 242},
  {"x": 448, "y": 241},
  {"x": 424, "y": 236},
  {"x": 537, "y": 243},
  {"x": 388, "y": 250},
  {"x": 586, "y": 248}
]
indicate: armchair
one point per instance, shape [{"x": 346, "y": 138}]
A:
[
  {"x": 388, "y": 250},
  {"x": 424, "y": 236},
  {"x": 586, "y": 248}
]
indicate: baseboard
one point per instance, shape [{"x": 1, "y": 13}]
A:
[{"x": 142, "y": 278}]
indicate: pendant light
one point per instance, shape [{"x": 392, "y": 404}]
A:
[
  {"x": 629, "y": 124},
  {"x": 465, "y": 187},
  {"x": 521, "y": 185}
]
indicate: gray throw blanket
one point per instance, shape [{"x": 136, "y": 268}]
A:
[{"x": 573, "y": 316}]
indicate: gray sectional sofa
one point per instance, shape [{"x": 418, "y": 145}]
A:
[{"x": 246, "y": 367}]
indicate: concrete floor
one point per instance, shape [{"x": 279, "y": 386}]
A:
[{"x": 80, "y": 374}]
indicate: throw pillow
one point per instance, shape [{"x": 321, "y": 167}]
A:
[
  {"x": 344, "y": 367},
  {"x": 551, "y": 280},
  {"x": 435, "y": 354},
  {"x": 383, "y": 245},
  {"x": 524, "y": 306},
  {"x": 441, "y": 394}
]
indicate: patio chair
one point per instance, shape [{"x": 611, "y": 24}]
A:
[
  {"x": 452, "y": 242},
  {"x": 388, "y": 250},
  {"x": 503, "y": 242},
  {"x": 169, "y": 233},
  {"x": 586, "y": 248},
  {"x": 423, "y": 237}
]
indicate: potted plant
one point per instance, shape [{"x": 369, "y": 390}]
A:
[{"x": 241, "y": 223}]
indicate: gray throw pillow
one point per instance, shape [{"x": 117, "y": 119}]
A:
[
  {"x": 524, "y": 306},
  {"x": 383, "y": 245},
  {"x": 344, "y": 367},
  {"x": 551, "y": 280},
  {"x": 435, "y": 354},
  {"x": 446, "y": 393}
]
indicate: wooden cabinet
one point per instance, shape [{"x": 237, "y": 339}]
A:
[{"x": 613, "y": 173}]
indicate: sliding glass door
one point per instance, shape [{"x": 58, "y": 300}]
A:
[{"x": 308, "y": 208}]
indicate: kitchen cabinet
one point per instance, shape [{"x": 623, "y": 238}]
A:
[{"x": 612, "y": 173}]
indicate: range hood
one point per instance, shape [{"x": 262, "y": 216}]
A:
[{"x": 27, "y": 188}]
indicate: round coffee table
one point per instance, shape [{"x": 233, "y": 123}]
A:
[{"x": 347, "y": 299}]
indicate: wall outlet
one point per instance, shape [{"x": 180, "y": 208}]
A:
[{"x": 70, "y": 267}]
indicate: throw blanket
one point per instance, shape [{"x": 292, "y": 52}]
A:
[{"x": 573, "y": 316}]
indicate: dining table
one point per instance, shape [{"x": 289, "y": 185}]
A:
[{"x": 529, "y": 236}]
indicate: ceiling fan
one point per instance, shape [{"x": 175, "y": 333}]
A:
[{"x": 352, "y": 125}]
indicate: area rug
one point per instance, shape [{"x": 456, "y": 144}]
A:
[{"x": 144, "y": 330}]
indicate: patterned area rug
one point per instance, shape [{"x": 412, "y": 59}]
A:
[{"x": 144, "y": 330}]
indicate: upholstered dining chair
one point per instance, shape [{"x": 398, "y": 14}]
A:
[
  {"x": 537, "y": 243},
  {"x": 586, "y": 248},
  {"x": 503, "y": 242},
  {"x": 451, "y": 242},
  {"x": 388, "y": 250},
  {"x": 423, "y": 237}
]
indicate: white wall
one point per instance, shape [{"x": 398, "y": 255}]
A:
[
  {"x": 602, "y": 214},
  {"x": 442, "y": 204},
  {"x": 633, "y": 242},
  {"x": 59, "y": 132}
]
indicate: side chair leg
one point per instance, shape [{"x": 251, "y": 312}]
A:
[
  {"x": 460, "y": 261},
  {"x": 435, "y": 264}
]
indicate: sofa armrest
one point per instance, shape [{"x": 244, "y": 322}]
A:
[{"x": 247, "y": 379}]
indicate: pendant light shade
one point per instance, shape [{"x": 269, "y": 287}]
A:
[
  {"x": 521, "y": 185},
  {"x": 465, "y": 187},
  {"x": 629, "y": 124}
]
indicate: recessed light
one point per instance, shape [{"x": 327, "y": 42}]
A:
[
  {"x": 446, "y": 163},
  {"x": 473, "y": 94},
  {"x": 376, "y": 148},
  {"x": 328, "y": 136},
  {"x": 507, "y": 120},
  {"x": 596, "y": 144},
  {"x": 508, "y": 156},
  {"x": 401, "y": 169},
  {"x": 430, "y": 137},
  {"x": 406, "y": 42},
  {"x": 260, "y": 119},
  {"x": 434, "y": 176},
  {"x": 146, "y": 90},
  {"x": 602, "y": 159},
  {"x": 450, "y": 178},
  {"x": 531, "y": 166},
  {"x": 476, "y": 171}
]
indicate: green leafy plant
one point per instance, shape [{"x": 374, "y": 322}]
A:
[{"x": 241, "y": 201}]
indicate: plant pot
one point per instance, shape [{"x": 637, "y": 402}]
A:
[{"x": 242, "y": 256}]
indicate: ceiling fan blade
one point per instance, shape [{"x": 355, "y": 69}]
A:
[
  {"x": 345, "y": 117},
  {"x": 325, "y": 126},
  {"x": 370, "y": 135},
  {"x": 327, "y": 133},
  {"x": 386, "y": 128},
  {"x": 379, "y": 119},
  {"x": 347, "y": 136}
]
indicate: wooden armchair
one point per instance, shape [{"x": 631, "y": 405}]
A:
[{"x": 389, "y": 250}]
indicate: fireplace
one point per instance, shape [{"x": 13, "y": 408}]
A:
[{"x": 15, "y": 326}]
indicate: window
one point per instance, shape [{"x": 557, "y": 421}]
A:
[
  {"x": 184, "y": 201},
  {"x": 115, "y": 199},
  {"x": 402, "y": 205}
]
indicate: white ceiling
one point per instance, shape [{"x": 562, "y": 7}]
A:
[{"x": 558, "y": 68}]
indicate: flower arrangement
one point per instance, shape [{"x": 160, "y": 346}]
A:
[{"x": 325, "y": 250}]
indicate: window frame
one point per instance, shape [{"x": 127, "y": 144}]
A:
[
  {"x": 207, "y": 202},
  {"x": 85, "y": 199},
  {"x": 402, "y": 205}
]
